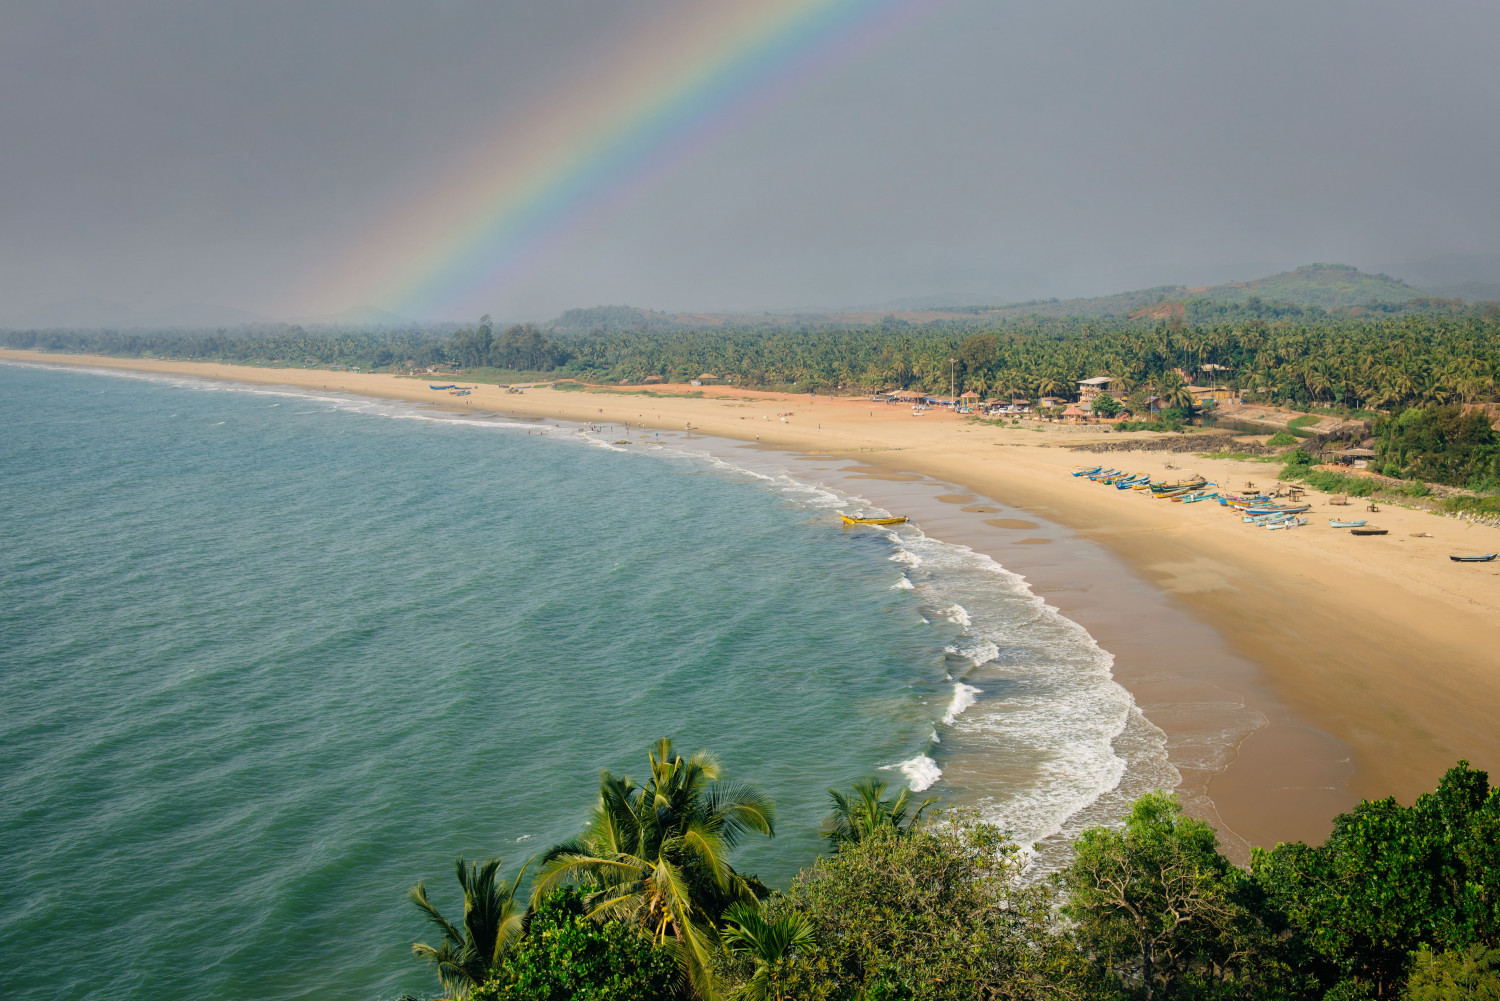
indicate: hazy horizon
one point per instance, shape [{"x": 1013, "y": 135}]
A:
[{"x": 295, "y": 163}]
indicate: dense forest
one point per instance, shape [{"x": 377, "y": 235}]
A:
[
  {"x": 909, "y": 903},
  {"x": 1379, "y": 362}
]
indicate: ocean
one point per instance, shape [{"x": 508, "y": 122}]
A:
[{"x": 269, "y": 657}]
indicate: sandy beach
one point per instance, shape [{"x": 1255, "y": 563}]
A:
[{"x": 1374, "y": 663}]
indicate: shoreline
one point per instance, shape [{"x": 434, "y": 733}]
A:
[{"x": 1378, "y": 650}]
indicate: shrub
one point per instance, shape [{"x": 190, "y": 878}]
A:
[
  {"x": 936, "y": 914},
  {"x": 1298, "y": 458},
  {"x": 1281, "y": 438},
  {"x": 1106, "y": 406},
  {"x": 1486, "y": 506},
  {"x": 1328, "y": 482},
  {"x": 567, "y": 955},
  {"x": 1471, "y": 974},
  {"x": 1441, "y": 444}
]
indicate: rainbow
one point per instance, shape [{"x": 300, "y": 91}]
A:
[{"x": 604, "y": 140}]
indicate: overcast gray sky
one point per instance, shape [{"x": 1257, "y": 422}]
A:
[{"x": 237, "y": 153}]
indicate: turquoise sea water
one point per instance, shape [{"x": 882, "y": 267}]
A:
[
  {"x": 269, "y": 657},
  {"x": 268, "y": 660}
]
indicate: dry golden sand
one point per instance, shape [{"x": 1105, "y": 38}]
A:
[{"x": 1380, "y": 643}]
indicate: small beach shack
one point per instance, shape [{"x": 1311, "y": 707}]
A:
[{"x": 1359, "y": 458}]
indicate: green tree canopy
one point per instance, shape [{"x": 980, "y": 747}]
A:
[
  {"x": 568, "y": 956},
  {"x": 659, "y": 853}
]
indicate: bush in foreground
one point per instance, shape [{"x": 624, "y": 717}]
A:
[
  {"x": 1399, "y": 904},
  {"x": 568, "y": 956}
]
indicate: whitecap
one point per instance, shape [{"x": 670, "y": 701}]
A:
[
  {"x": 958, "y": 615},
  {"x": 921, "y": 772},
  {"x": 963, "y": 698}
]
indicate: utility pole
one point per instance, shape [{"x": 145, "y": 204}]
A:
[{"x": 953, "y": 380}]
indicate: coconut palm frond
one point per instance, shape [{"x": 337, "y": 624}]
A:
[
  {"x": 744, "y": 809},
  {"x": 492, "y": 923},
  {"x": 418, "y": 896}
]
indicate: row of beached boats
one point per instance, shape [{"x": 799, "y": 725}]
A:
[{"x": 1260, "y": 509}]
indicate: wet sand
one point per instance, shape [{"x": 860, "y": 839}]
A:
[{"x": 1289, "y": 778}]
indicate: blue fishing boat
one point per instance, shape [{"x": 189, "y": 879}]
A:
[
  {"x": 1278, "y": 509},
  {"x": 449, "y": 386},
  {"x": 1334, "y": 523},
  {"x": 1081, "y": 472}
]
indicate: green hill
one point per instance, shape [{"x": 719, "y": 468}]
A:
[{"x": 1329, "y": 286}]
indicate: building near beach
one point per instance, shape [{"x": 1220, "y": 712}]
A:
[
  {"x": 1090, "y": 388},
  {"x": 1217, "y": 394}
]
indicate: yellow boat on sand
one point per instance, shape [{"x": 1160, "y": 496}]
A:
[{"x": 872, "y": 521}]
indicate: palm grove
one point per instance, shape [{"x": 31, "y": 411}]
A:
[
  {"x": 1384, "y": 362},
  {"x": 1417, "y": 375},
  {"x": 909, "y": 903}
]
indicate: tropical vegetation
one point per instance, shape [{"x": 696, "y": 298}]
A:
[
  {"x": 1400, "y": 903},
  {"x": 1376, "y": 362}
]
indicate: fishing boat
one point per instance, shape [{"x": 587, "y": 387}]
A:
[
  {"x": 1369, "y": 531},
  {"x": 1132, "y": 481},
  {"x": 461, "y": 392},
  {"x": 1107, "y": 472},
  {"x": 872, "y": 521},
  {"x": 1288, "y": 523},
  {"x": 1080, "y": 472},
  {"x": 1486, "y": 558},
  {"x": 1332, "y": 523},
  {"x": 1171, "y": 488},
  {"x": 1195, "y": 498},
  {"x": 449, "y": 386},
  {"x": 1277, "y": 509}
]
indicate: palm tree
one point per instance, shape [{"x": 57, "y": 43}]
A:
[
  {"x": 1174, "y": 393},
  {"x": 658, "y": 854},
  {"x": 769, "y": 943},
  {"x": 866, "y": 810},
  {"x": 1048, "y": 386},
  {"x": 491, "y": 925}
]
